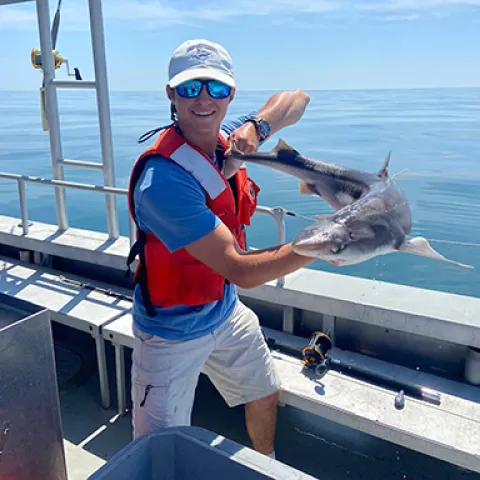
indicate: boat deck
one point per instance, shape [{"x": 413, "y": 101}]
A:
[
  {"x": 324, "y": 449},
  {"x": 448, "y": 432}
]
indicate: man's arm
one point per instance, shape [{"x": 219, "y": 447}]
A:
[
  {"x": 284, "y": 109},
  {"x": 220, "y": 251},
  {"x": 171, "y": 204},
  {"x": 280, "y": 110}
]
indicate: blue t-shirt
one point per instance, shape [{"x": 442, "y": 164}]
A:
[{"x": 171, "y": 203}]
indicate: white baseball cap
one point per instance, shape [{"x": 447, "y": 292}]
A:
[{"x": 200, "y": 59}]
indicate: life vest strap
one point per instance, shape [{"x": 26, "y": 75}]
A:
[{"x": 140, "y": 276}]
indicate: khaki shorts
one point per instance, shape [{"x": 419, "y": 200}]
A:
[{"x": 165, "y": 372}]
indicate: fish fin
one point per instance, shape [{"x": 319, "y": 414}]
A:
[
  {"x": 383, "y": 173},
  {"x": 232, "y": 165},
  {"x": 305, "y": 188},
  {"x": 420, "y": 246},
  {"x": 361, "y": 231},
  {"x": 234, "y": 150},
  {"x": 282, "y": 145}
]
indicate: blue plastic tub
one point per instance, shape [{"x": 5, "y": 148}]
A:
[{"x": 183, "y": 453}]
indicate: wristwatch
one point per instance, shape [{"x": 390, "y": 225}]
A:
[{"x": 261, "y": 126}]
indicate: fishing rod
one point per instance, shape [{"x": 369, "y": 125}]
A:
[
  {"x": 317, "y": 356},
  {"x": 58, "y": 61}
]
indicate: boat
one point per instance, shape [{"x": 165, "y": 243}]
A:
[{"x": 378, "y": 380}]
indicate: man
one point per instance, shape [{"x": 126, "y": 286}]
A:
[{"x": 192, "y": 250}]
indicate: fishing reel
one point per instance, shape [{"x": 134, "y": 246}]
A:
[
  {"x": 315, "y": 354},
  {"x": 36, "y": 59},
  {"x": 58, "y": 61}
]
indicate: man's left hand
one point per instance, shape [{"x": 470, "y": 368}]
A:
[{"x": 245, "y": 139}]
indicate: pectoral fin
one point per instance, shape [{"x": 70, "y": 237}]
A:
[
  {"x": 420, "y": 246},
  {"x": 358, "y": 232}
]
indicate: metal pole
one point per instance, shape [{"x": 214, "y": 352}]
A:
[
  {"x": 279, "y": 215},
  {"x": 23, "y": 206},
  {"x": 103, "y": 104},
  {"x": 132, "y": 230},
  {"x": 52, "y": 109}
]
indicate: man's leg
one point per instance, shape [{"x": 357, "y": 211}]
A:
[
  {"x": 243, "y": 371},
  {"x": 261, "y": 419},
  {"x": 164, "y": 379}
]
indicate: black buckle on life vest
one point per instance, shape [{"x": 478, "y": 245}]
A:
[{"x": 140, "y": 278}]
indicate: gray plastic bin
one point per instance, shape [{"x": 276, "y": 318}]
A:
[{"x": 183, "y": 453}]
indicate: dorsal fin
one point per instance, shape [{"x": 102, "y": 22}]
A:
[
  {"x": 383, "y": 173},
  {"x": 282, "y": 146}
]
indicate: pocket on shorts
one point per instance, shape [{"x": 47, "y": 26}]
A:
[{"x": 151, "y": 364}]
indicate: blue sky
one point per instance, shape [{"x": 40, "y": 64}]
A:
[{"x": 275, "y": 44}]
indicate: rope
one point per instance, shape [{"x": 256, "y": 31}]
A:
[
  {"x": 435, "y": 240},
  {"x": 452, "y": 242}
]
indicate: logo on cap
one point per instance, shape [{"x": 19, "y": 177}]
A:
[{"x": 201, "y": 51}]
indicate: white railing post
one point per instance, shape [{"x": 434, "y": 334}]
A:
[
  {"x": 52, "y": 109},
  {"x": 103, "y": 104},
  {"x": 132, "y": 228},
  {"x": 277, "y": 214},
  {"x": 23, "y": 206}
]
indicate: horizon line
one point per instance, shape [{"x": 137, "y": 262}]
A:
[{"x": 463, "y": 87}]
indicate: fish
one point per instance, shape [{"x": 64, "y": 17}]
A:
[{"x": 371, "y": 215}]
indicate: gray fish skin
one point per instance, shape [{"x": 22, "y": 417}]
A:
[
  {"x": 338, "y": 186},
  {"x": 372, "y": 215}
]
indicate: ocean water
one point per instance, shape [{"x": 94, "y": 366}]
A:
[{"x": 435, "y": 134}]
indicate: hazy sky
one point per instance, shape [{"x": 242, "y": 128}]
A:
[{"x": 275, "y": 44}]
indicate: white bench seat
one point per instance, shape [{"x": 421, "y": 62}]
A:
[
  {"x": 70, "y": 304},
  {"x": 440, "y": 315},
  {"x": 449, "y": 431}
]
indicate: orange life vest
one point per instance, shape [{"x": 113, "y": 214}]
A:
[{"x": 177, "y": 278}]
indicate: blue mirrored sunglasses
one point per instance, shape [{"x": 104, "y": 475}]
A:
[{"x": 192, "y": 88}]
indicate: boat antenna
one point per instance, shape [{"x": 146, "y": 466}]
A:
[{"x": 56, "y": 24}]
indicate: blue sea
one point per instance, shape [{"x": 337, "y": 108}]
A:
[{"x": 433, "y": 133}]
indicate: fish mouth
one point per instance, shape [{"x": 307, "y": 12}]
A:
[
  {"x": 337, "y": 263},
  {"x": 314, "y": 250}
]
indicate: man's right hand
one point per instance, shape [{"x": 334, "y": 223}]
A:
[{"x": 220, "y": 251}]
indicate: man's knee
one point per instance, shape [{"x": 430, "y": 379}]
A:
[{"x": 268, "y": 402}]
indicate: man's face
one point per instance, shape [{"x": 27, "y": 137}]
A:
[{"x": 202, "y": 114}]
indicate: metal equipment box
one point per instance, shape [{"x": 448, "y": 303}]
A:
[{"x": 31, "y": 442}]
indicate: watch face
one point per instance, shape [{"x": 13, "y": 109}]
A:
[{"x": 264, "y": 128}]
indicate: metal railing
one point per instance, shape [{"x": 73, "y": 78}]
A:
[
  {"x": 100, "y": 85},
  {"x": 277, "y": 213}
]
